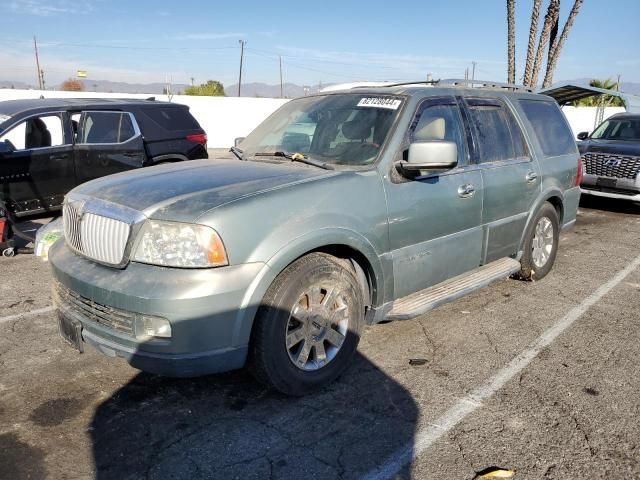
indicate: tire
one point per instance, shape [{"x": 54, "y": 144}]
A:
[
  {"x": 288, "y": 342},
  {"x": 541, "y": 244}
]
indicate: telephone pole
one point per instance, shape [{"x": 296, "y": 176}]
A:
[
  {"x": 40, "y": 73},
  {"x": 242, "y": 44},
  {"x": 281, "y": 89}
]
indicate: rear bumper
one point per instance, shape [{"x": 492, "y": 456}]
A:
[{"x": 210, "y": 311}]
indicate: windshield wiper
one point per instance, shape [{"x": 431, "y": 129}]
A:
[
  {"x": 296, "y": 157},
  {"x": 237, "y": 152}
]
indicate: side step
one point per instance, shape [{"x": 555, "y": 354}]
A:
[{"x": 421, "y": 302}]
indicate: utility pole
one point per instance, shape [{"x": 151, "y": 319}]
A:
[
  {"x": 281, "y": 89},
  {"x": 242, "y": 44},
  {"x": 466, "y": 73},
  {"x": 473, "y": 71},
  {"x": 40, "y": 73}
]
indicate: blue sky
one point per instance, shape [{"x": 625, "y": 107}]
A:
[{"x": 329, "y": 41}]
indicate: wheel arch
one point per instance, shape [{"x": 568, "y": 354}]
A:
[
  {"x": 555, "y": 197},
  {"x": 341, "y": 243}
]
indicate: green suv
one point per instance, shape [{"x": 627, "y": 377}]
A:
[{"x": 341, "y": 210}]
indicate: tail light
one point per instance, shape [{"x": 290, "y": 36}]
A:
[
  {"x": 579, "y": 173},
  {"x": 3, "y": 222},
  {"x": 200, "y": 138}
]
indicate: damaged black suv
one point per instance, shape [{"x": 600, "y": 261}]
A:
[{"x": 49, "y": 146}]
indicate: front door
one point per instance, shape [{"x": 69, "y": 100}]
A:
[
  {"x": 37, "y": 169},
  {"x": 107, "y": 143},
  {"x": 510, "y": 175},
  {"x": 434, "y": 220}
]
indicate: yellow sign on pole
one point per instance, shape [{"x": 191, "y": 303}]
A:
[{"x": 82, "y": 74}]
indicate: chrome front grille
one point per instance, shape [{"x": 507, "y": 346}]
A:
[
  {"x": 114, "y": 318},
  {"x": 98, "y": 237},
  {"x": 609, "y": 165}
]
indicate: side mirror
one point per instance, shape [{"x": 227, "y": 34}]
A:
[
  {"x": 6, "y": 147},
  {"x": 237, "y": 141},
  {"x": 583, "y": 135},
  {"x": 432, "y": 155}
]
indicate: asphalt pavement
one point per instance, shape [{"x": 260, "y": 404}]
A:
[{"x": 539, "y": 378}]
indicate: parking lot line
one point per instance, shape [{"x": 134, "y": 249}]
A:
[
  {"x": 30, "y": 313},
  {"x": 474, "y": 400}
]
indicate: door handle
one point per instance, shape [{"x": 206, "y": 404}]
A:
[
  {"x": 531, "y": 177},
  {"x": 466, "y": 191},
  {"x": 62, "y": 156}
]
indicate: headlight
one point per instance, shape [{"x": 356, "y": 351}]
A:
[{"x": 173, "y": 244}]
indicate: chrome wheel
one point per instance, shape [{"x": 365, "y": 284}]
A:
[
  {"x": 542, "y": 244},
  {"x": 317, "y": 327}
]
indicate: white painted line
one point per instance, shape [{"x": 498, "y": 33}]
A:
[
  {"x": 31, "y": 313},
  {"x": 471, "y": 402}
]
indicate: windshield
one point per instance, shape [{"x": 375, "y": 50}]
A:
[
  {"x": 343, "y": 129},
  {"x": 618, "y": 129}
]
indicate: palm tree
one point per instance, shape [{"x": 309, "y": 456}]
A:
[
  {"x": 552, "y": 12},
  {"x": 533, "y": 33},
  {"x": 555, "y": 48},
  {"x": 511, "y": 40}
]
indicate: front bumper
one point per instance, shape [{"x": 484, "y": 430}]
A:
[
  {"x": 624, "y": 188},
  {"x": 210, "y": 311}
]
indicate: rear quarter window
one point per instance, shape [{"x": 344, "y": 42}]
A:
[
  {"x": 172, "y": 118},
  {"x": 548, "y": 122}
]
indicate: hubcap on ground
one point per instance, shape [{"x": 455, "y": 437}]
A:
[
  {"x": 542, "y": 242},
  {"x": 317, "y": 327}
]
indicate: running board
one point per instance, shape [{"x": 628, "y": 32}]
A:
[{"x": 421, "y": 302}]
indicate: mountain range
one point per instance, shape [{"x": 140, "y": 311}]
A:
[{"x": 256, "y": 89}]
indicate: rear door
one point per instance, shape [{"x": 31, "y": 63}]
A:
[
  {"x": 107, "y": 142},
  {"x": 510, "y": 175},
  {"x": 39, "y": 169}
]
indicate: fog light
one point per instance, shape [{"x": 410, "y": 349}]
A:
[{"x": 149, "y": 326}]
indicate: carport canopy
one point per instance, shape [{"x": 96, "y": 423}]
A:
[{"x": 568, "y": 92}]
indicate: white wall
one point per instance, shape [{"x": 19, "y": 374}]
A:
[
  {"x": 223, "y": 118},
  {"x": 582, "y": 119}
]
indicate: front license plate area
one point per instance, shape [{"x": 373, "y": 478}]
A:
[
  {"x": 70, "y": 331},
  {"x": 606, "y": 182}
]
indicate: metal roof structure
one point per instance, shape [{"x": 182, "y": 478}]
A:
[{"x": 568, "y": 92}]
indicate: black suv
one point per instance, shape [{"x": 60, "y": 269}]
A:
[
  {"x": 611, "y": 157},
  {"x": 48, "y": 146}
]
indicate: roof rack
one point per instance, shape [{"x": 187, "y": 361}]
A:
[
  {"x": 455, "y": 82},
  {"x": 460, "y": 82}
]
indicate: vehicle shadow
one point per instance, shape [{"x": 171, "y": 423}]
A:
[
  {"x": 609, "y": 204},
  {"x": 229, "y": 426}
]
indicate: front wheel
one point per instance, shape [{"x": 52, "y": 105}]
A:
[
  {"x": 541, "y": 244},
  {"x": 308, "y": 328}
]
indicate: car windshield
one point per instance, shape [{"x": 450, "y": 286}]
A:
[
  {"x": 618, "y": 129},
  {"x": 339, "y": 129}
]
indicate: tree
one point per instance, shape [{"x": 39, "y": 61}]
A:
[
  {"x": 212, "y": 88},
  {"x": 72, "y": 85},
  {"x": 511, "y": 40},
  {"x": 547, "y": 40}
]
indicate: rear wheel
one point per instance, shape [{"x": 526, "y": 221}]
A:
[
  {"x": 541, "y": 244},
  {"x": 308, "y": 328}
]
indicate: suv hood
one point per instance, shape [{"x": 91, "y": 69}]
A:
[
  {"x": 614, "y": 147},
  {"x": 184, "y": 191}
]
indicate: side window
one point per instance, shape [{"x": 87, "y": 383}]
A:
[
  {"x": 36, "y": 132},
  {"x": 497, "y": 132},
  {"x": 439, "y": 122},
  {"x": 105, "y": 127},
  {"x": 551, "y": 128}
]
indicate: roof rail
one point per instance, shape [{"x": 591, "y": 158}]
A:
[
  {"x": 459, "y": 82},
  {"x": 483, "y": 84}
]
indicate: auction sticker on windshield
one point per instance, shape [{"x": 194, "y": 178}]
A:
[{"x": 380, "y": 102}]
